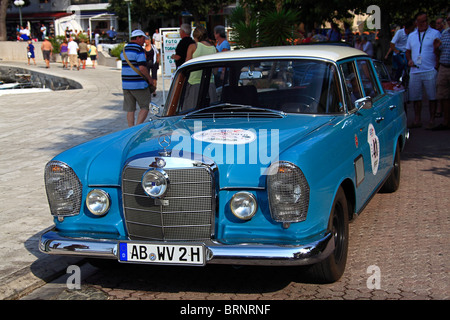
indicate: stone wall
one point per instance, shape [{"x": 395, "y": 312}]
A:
[{"x": 38, "y": 79}]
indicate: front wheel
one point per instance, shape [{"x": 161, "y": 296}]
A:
[{"x": 332, "y": 268}]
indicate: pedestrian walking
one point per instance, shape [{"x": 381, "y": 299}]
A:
[
  {"x": 30, "y": 52},
  {"x": 152, "y": 56},
  {"x": 135, "y": 79},
  {"x": 422, "y": 61},
  {"x": 182, "y": 47},
  {"x": 93, "y": 54},
  {"x": 73, "y": 54},
  {"x": 83, "y": 52},
  {"x": 63, "y": 51},
  {"x": 46, "y": 48}
]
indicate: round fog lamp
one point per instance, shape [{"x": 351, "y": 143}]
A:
[
  {"x": 155, "y": 183},
  {"x": 243, "y": 205},
  {"x": 98, "y": 202}
]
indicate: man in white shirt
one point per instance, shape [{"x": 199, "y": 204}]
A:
[
  {"x": 43, "y": 31},
  {"x": 72, "y": 49},
  {"x": 422, "y": 61},
  {"x": 157, "y": 40}
]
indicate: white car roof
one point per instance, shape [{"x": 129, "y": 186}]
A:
[{"x": 329, "y": 52}]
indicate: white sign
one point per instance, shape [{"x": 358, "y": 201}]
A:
[
  {"x": 170, "y": 39},
  {"x": 225, "y": 136}
]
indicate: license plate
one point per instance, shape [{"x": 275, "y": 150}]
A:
[{"x": 162, "y": 253}]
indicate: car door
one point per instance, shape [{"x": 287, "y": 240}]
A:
[
  {"x": 382, "y": 123},
  {"x": 364, "y": 128}
]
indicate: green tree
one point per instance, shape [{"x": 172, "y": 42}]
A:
[
  {"x": 270, "y": 24},
  {"x": 142, "y": 9}
]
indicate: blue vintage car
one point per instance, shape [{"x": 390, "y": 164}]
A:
[{"x": 259, "y": 157}]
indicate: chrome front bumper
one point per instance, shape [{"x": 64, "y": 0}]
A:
[{"x": 51, "y": 242}]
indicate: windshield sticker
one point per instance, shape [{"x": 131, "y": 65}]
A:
[
  {"x": 225, "y": 136},
  {"x": 374, "y": 144}
]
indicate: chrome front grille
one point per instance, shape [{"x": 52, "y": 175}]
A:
[{"x": 186, "y": 212}]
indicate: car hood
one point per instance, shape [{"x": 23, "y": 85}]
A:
[{"x": 242, "y": 148}]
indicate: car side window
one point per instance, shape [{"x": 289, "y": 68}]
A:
[
  {"x": 368, "y": 79},
  {"x": 352, "y": 88}
]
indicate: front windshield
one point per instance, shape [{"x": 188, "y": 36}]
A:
[{"x": 304, "y": 86}]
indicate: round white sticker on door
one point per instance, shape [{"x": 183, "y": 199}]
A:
[{"x": 374, "y": 144}]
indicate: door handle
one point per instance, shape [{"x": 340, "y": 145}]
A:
[
  {"x": 379, "y": 119},
  {"x": 392, "y": 107}
]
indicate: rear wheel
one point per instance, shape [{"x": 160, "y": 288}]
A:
[{"x": 332, "y": 268}]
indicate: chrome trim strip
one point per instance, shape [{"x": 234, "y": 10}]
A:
[{"x": 51, "y": 242}]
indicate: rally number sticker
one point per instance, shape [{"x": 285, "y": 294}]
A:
[{"x": 374, "y": 144}]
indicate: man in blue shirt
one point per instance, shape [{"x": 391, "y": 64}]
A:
[
  {"x": 111, "y": 34},
  {"x": 221, "y": 45},
  {"x": 136, "y": 79},
  {"x": 221, "y": 38}
]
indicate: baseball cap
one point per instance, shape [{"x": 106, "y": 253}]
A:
[{"x": 138, "y": 33}]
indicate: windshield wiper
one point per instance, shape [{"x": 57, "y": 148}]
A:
[{"x": 237, "y": 110}]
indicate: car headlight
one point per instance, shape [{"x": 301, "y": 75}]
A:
[
  {"x": 63, "y": 189},
  {"x": 243, "y": 205},
  {"x": 288, "y": 192},
  {"x": 155, "y": 182},
  {"x": 98, "y": 202}
]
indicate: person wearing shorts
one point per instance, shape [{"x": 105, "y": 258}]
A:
[
  {"x": 46, "y": 51},
  {"x": 443, "y": 79},
  {"x": 136, "y": 87},
  {"x": 83, "y": 53},
  {"x": 422, "y": 60},
  {"x": 72, "y": 48},
  {"x": 93, "y": 53}
]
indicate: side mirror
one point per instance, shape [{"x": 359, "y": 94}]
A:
[
  {"x": 364, "y": 103},
  {"x": 154, "y": 109}
]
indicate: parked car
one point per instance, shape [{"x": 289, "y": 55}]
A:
[
  {"x": 259, "y": 157},
  {"x": 386, "y": 80}
]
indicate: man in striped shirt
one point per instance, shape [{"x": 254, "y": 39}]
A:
[{"x": 136, "y": 86}]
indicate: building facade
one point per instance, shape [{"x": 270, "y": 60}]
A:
[{"x": 58, "y": 15}]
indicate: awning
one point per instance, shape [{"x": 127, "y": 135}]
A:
[{"x": 38, "y": 16}]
